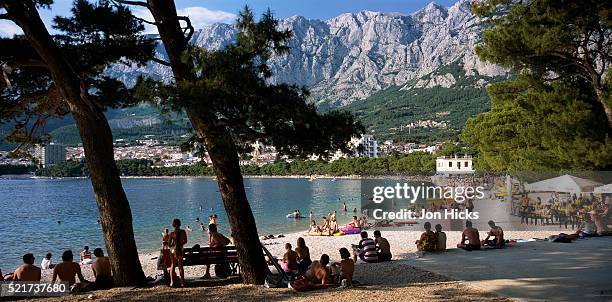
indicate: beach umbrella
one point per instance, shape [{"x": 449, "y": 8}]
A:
[
  {"x": 604, "y": 189},
  {"x": 566, "y": 183}
]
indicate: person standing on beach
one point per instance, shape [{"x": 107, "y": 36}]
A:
[
  {"x": 178, "y": 238},
  {"x": 27, "y": 271}
]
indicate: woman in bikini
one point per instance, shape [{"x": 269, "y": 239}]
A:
[{"x": 178, "y": 238}]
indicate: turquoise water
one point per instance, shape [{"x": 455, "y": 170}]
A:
[{"x": 31, "y": 208}]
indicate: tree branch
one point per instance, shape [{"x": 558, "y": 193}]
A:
[
  {"x": 128, "y": 2},
  {"x": 144, "y": 21},
  {"x": 4, "y": 16},
  {"x": 160, "y": 61},
  {"x": 188, "y": 27}
]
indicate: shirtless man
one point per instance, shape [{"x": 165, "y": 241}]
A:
[
  {"x": 215, "y": 239},
  {"x": 178, "y": 238},
  {"x": 67, "y": 270},
  {"x": 383, "y": 247},
  {"x": 470, "y": 235},
  {"x": 86, "y": 256},
  {"x": 498, "y": 236},
  {"x": 27, "y": 271},
  {"x": 319, "y": 272},
  {"x": 102, "y": 270}
]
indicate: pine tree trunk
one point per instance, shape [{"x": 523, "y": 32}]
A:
[
  {"x": 220, "y": 146},
  {"x": 115, "y": 212},
  {"x": 97, "y": 140},
  {"x": 223, "y": 153}
]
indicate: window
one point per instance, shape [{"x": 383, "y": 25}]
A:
[
  {"x": 450, "y": 164},
  {"x": 466, "y": 164}
]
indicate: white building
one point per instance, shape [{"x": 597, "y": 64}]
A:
[
  {"x": 454, "y": 165},
  {"x": 50, "y": 154},
  {"x": 366, "y": 146}
]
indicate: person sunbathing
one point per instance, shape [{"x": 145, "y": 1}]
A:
[
  {"x": 498, "y": 236},
  {"x": 27, "y": 271},
  {"x": 383, "y": 247},
  {"x": 427, "y": 241},
  {"x": 289, "y": 263},
  {"x": 472, "y": 237},
  {"x": 314, "y": 229},
  {"x": 102, "y": 270},
  {"x": 355, "y": 223},
  {"x": 68, "y": 270}
]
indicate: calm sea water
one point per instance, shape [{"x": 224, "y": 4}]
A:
[{"x": 31, "y": 208}]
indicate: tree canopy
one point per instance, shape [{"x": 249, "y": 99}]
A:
[{"x": 553, "y": 114}]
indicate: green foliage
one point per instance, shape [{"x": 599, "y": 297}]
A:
[
  {"x": 552, "y": 116},
  {"x": 551, "y": 40},
  {"x": 16, "y": 169},
  {"x": 534, "y": 126},
  {"x": 92, "y": 38},
  {"x": 229, "y": 87}
]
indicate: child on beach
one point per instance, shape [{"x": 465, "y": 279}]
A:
[
  {"x": 178, "y": 238},
  {"x": 347, "y": 267}
]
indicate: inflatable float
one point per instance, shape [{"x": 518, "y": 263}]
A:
[{"x": 350, "y": 230}]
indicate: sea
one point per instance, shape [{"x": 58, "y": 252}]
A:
[{"x": 52, "y": 215}]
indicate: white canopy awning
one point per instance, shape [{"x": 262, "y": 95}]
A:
[
  {"x": 566, "y": 183},
  {"x": 604, "y": 189}
]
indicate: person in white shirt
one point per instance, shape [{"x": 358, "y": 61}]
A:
[{"x": 46, "y": 262}]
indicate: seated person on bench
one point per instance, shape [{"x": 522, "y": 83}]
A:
[{"x": 215, "y": 239}]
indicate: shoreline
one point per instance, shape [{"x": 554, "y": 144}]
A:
[{"x": 423, "y": 177}]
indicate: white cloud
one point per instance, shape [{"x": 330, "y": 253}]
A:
[
  {"x": 8, "y": 29},
  {"x": 199, "y": 16}
]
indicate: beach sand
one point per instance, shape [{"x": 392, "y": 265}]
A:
[{"x": 390, "y": 281}]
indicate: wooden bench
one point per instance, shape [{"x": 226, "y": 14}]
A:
[{"x": 223, "y": 255}]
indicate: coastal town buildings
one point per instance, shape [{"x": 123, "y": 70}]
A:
[
  {"x": 454, "y": 165},
  {"x": 50, "y": 154}
]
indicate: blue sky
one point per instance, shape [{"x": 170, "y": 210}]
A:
[{"x": 205, "y": 12}]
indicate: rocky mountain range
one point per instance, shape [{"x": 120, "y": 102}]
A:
[{"x": 350, "y": 57}]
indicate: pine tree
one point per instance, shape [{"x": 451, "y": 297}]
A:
[
  {"x": 45, "y": 76},
  {"x": 555, "y": 113},
  {"x": 230, "y": 104}
]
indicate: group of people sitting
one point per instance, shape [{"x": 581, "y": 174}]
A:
[
  {"x": 329, "y": 226},
  {"x": 310, "y": 274},
  {"x": 65, "y": 271},
  {"x": 470, "y": 238}
]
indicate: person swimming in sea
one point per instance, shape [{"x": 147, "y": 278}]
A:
[{"x": 344, "y": 207}]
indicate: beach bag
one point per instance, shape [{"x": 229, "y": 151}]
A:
[{"x": 277, "y": 281}]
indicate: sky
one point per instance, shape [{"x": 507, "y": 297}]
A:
[{"x": 204, "y": 12}]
